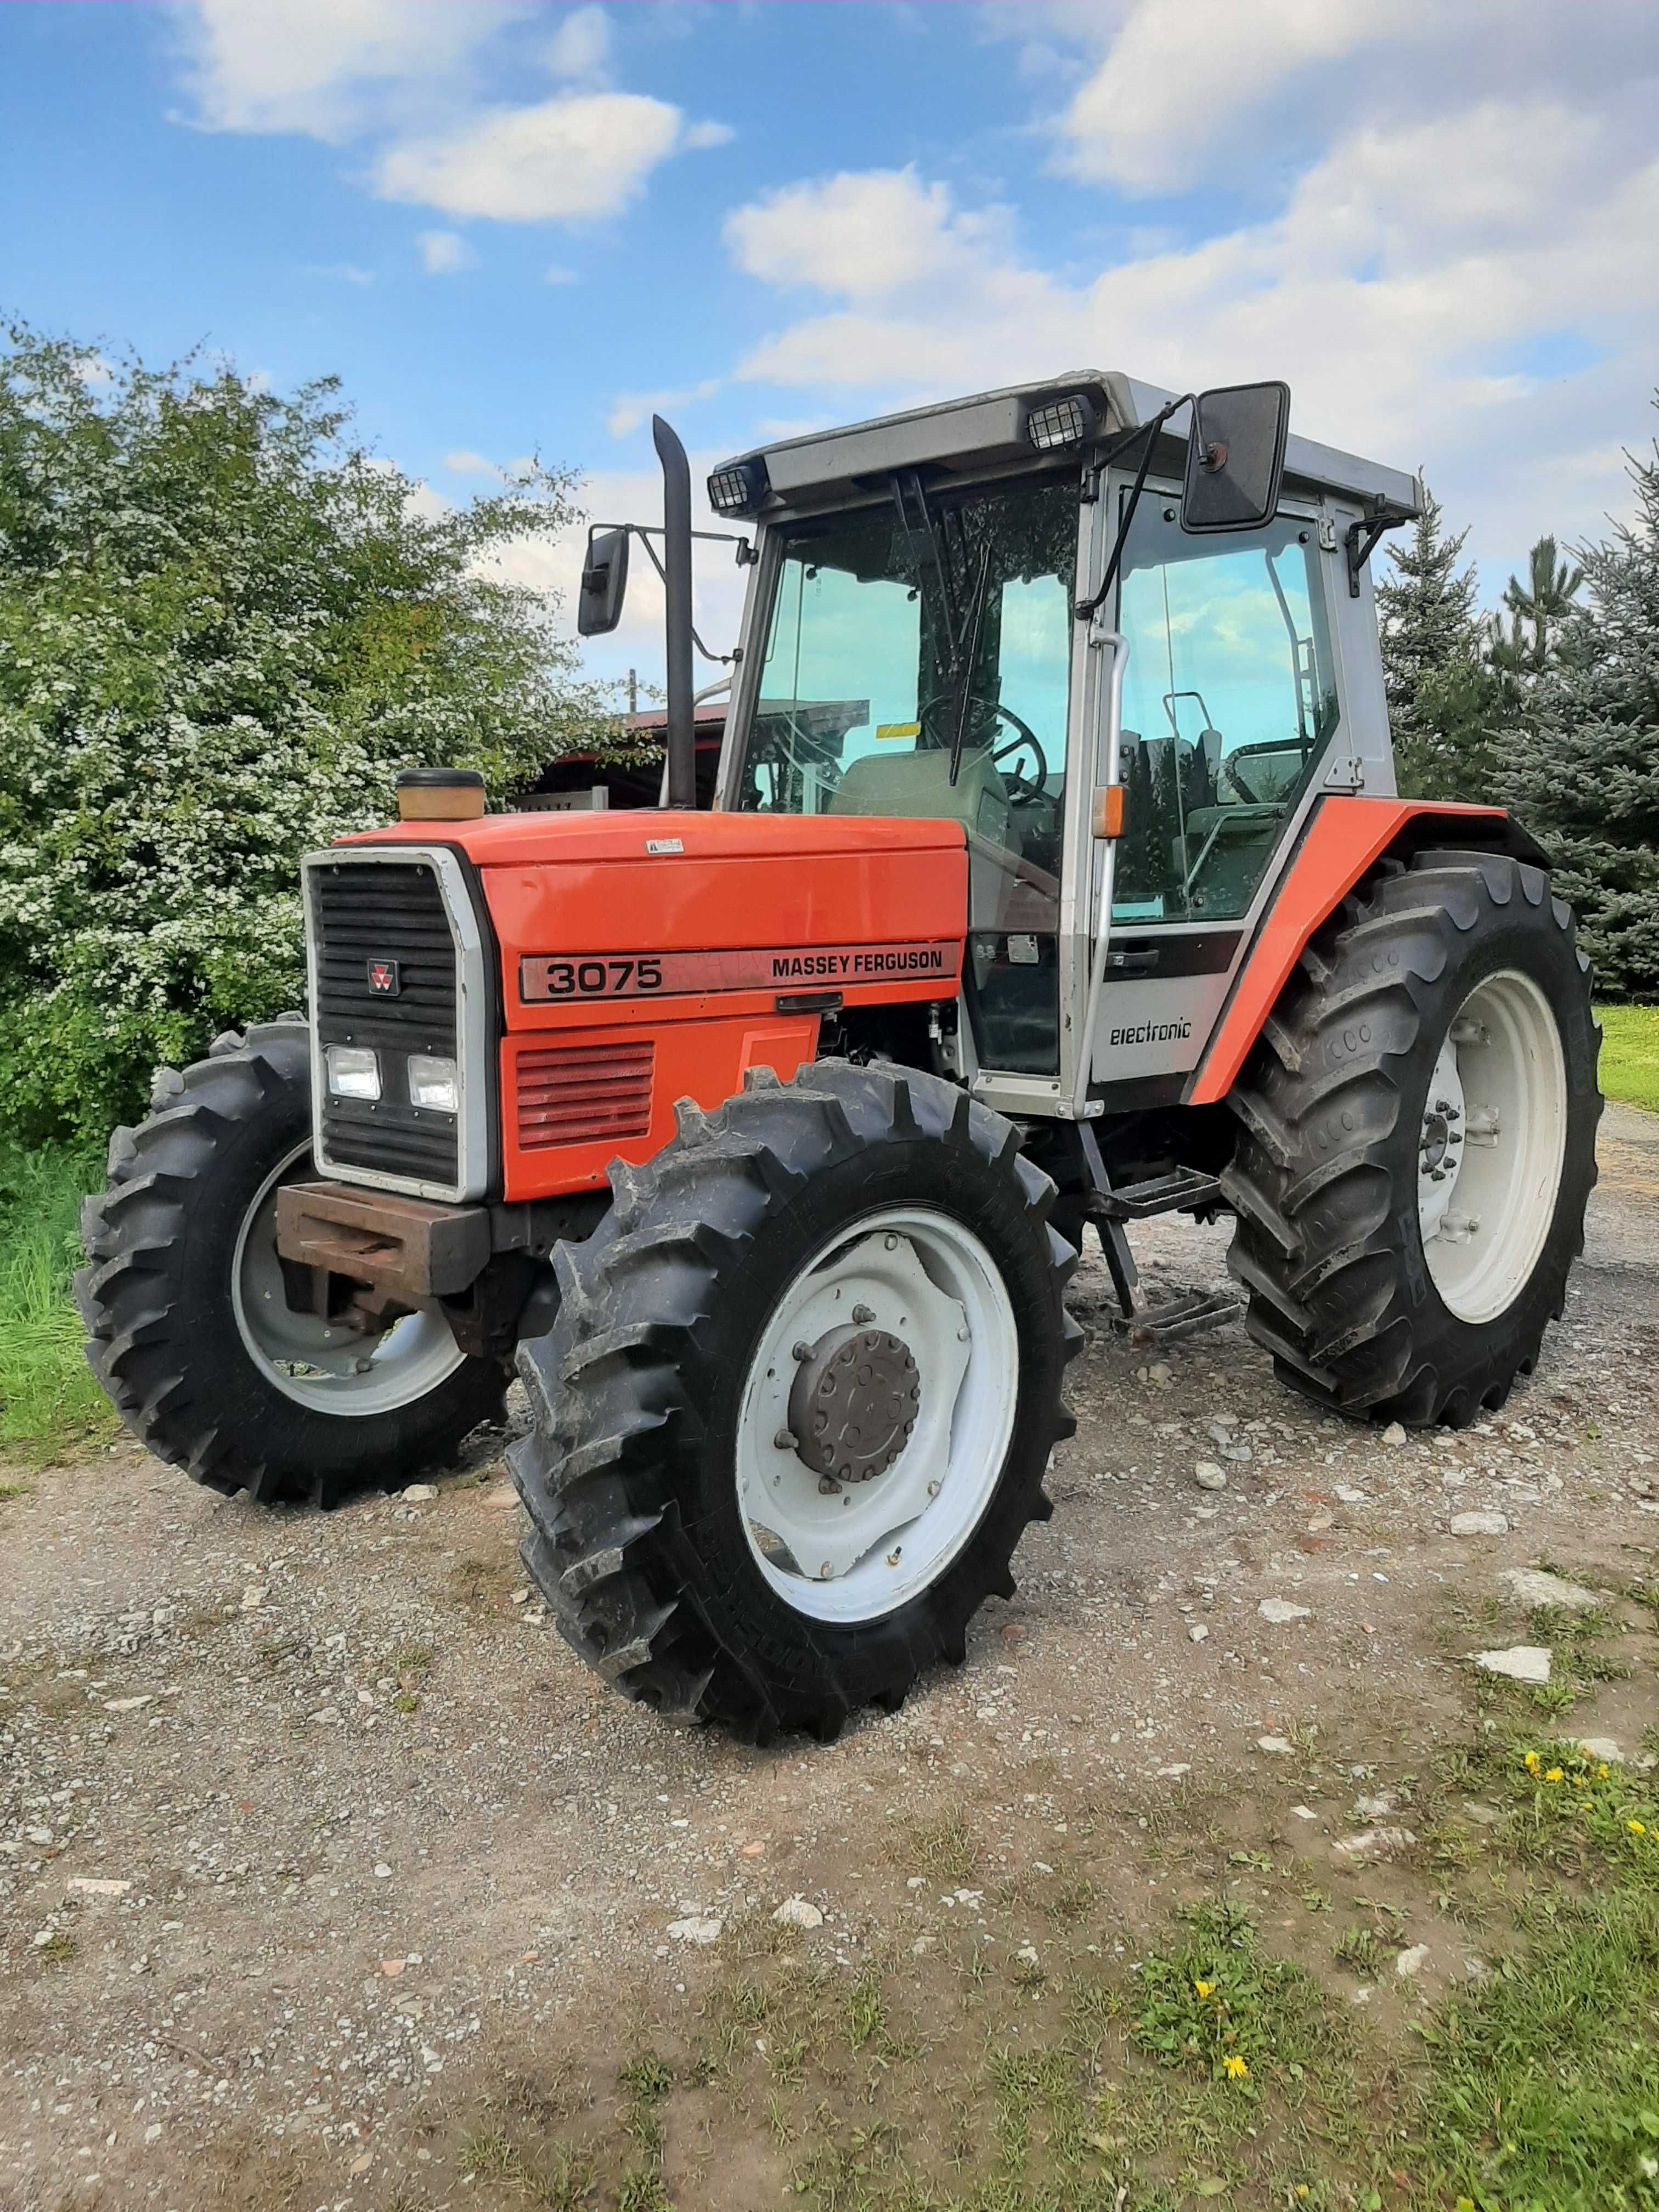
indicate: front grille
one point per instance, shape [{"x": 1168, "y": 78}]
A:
[
  {"x": 578, "y": 1094},
  {"x": 365, "y": 914},
  {"x": 389, "y": 910}
]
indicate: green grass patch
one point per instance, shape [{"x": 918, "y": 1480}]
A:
[
  {"x": 1544, "y": 2084},
  {"x": 49, "y": 1401},
  {"x": 1630, "y": 1055}
]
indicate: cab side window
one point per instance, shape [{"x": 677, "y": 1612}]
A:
[{"x": 1230, "y": 703}]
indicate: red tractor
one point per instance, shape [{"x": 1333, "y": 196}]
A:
[{"x": 1055, "y": 880}]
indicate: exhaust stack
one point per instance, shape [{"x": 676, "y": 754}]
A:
[{"x": 682, "y": 787}]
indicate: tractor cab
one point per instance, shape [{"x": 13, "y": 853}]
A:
[{"x": 1004, "y": 611}]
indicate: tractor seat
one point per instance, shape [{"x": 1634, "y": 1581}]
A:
[{"x": 917, "y": 785}]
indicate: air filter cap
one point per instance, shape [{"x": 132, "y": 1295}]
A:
[{"x": 440, "y": 795}]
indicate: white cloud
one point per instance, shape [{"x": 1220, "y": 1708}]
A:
[
  {"x": 573, "y": 158},
  {"x": 346, "y": 272},
  {"x": 862, "y": 234},
  {"x": 580, "y": 47},
  {"x": 324, "y": 67},
  {"x": 555, "y": 273},
  {"x": 402, "y": 73},
  {"x": 1179, "y": 72},
  {"x": 1407, "y": 281},
  {"x": 464, "y": 462},
  {"x": 444, "y": 253},
  {"x": 1177, "y": 92}
]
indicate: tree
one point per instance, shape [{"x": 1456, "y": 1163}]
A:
[
  {"x": 1442, "y": 695},
  {"x": 1583, "y": 765},
  {"x": 224, "y": 627},
  {"x": 1535, "y": 608}
]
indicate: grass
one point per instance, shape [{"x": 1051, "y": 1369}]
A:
[
  {"x": 49, "y": 1401},
  {"x": 1630, "y": 1055}
]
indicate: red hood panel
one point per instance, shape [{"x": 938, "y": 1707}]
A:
[{"x": 515, "y": 840}]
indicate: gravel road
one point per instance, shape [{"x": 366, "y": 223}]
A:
[{"x": 305, "y": 1821}]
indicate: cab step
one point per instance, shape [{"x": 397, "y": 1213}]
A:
[
  {"x": 1184, "y": 1189},
  {"x": 1187, "y": 1313}
]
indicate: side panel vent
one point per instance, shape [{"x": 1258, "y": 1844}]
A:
[{"x": 577, "y": 1094}]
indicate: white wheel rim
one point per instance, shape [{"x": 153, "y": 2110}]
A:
[
  {"x": 329, "y": 1369},
  {"x": 854, "y": 1551},
  {"x": 1491, "y": 1146}
]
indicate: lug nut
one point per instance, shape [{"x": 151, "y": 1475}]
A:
[
  {"x": 801, "y": 1349},
  {"x": 784, "y": 1440},
  {"x": 864, "y": 1315}
]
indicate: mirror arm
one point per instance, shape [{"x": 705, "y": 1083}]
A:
[
  {"x": 645, "y": 534},
  {"x": 1084, "y": 608},
  {"x": 1363, "y": 538}
]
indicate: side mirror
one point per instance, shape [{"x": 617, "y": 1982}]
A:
[
  {"x": 1235, "y": 457},
  {"x": 605, "y": 583}
]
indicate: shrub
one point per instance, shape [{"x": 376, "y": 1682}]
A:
[{"x": 224, "y": 627}]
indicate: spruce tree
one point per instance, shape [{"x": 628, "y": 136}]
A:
[
  {"x": 1443, "y": 698},
  {"x": 1581, "y": 767}
]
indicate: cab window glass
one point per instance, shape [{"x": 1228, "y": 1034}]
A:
[{"x": 1229, "y": 704}]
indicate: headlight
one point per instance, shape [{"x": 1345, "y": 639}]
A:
[
  {"x": 435, "y": 1084},
  {"x": 353, "y": 1072}
]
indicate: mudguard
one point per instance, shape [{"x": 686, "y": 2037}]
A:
[{"x": 1344, "y": 837}]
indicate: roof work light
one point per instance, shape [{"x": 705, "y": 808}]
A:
[
  {"x": 737, "y": 486},
  {"x": 1052, "y": 423}
]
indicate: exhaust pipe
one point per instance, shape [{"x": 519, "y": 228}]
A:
[{"x": 682, "y": 787}]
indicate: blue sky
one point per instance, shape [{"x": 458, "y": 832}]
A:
[{"x": 512, "y": 228}]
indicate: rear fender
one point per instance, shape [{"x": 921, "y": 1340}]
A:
[{"x": 1344, "y": 837}]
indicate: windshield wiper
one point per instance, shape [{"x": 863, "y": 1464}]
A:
[
  {"x": 970, "y": 659},
  {"x": 963, "y": 626}
]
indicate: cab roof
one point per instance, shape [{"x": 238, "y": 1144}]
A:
[{"x": 989, "y": 427}]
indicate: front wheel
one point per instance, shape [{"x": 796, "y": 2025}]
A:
[
  {"x": 188, "y": 1327},
  {"x": 797, "y": 1406},
  {"x": 1420, "y": 1142}
]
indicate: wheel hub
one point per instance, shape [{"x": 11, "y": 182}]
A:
[{"x": 854, "y": 1402}]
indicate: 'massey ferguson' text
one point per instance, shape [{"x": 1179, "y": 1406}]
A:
[{"x": 549, "y": 977}]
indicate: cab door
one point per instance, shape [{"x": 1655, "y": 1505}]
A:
[{"x": 1232, "y": 718}]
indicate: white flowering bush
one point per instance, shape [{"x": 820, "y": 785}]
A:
[{"x": 223, "y": 629}]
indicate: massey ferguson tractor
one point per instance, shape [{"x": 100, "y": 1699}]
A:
[{"x": 1055, "y": 878}]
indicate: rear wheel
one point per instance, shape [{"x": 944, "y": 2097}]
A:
[
  {"x": 797, "y": 1404},
  {"x": 1420, "y": 1142},
  {"x": 188, "y": 1327}
]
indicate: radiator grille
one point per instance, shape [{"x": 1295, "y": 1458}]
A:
[
  {"x": 379, "y": 911},
  {"x": 368, "y": 913},
  {"x": 579, "y": 1094}
]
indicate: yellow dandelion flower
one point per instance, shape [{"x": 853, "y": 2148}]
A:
[
  {"x": 1301, "y": 2188},
  {"x": 1602, "y": 1772},
  {"x": 1531, "y": 1762},
  {"x": 1581, "y": 1782},
  {"x": 1636, "y": 1827},
  {"x": 1236, "y": 2070},
  {"x": 1205, "y": 1989},
  {"x": 1553, "y": 1774}
]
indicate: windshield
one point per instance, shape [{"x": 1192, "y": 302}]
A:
[{"x": 918, "y": 662}]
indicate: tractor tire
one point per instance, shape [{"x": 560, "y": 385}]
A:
[
  {"x": 659, "y": 1393},
  {"x": 1420, "y": 1142},
  {"x": 187, "y": 1329}
]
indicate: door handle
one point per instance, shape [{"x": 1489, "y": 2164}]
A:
[{"x": 1139, "y": 962}]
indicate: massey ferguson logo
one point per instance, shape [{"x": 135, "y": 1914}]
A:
[{"x": 384, "y": 978}]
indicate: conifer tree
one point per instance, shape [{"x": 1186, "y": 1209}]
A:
[
  {"x": 1581, "y": 767},
  {"x": 1443, "y": 698}
]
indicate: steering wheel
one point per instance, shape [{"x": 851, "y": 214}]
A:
[{"x": 1025, "y": 738}]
